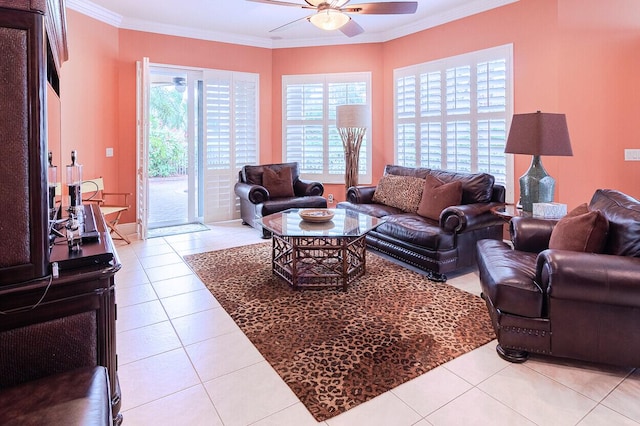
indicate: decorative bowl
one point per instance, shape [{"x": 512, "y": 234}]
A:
[{"x": 316, "y": 215}]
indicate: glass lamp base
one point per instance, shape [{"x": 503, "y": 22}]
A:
[{"x": 536, "y": 186}]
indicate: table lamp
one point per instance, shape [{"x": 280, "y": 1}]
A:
[{"x": 538, "y": 134}]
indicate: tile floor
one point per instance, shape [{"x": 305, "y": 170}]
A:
[{"x": 183, "y": 361}]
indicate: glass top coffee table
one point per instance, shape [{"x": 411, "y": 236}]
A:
[{"x": 319, "y": 254}]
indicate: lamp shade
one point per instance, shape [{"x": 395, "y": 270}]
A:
[
  {"x": 352, "y": 116},
  {"x": 539, "y": 134},
  {"x": 329, "y": 19}
]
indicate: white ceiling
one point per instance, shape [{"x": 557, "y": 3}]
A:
[{"x": 249, "y": 23}]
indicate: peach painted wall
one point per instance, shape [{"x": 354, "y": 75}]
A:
[
  {"x": 89, "y": 100},
  {"x": 599, "y": 89},
  {"x": 578, "y": 57},
  {"x": 333, "y": 59}
]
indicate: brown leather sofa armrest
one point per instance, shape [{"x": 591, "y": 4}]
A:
[
  {"x": 590, "y": 277},
  {"x": 303, "y": 188},
  {"x": 530, "y": 234},
  {"x": 255, "y": 194},
  {"x": 468, "y": 217},
  {"x": 361, "y": 194}
]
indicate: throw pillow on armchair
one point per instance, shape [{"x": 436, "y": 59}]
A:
[{"x": 278, "y": 183}]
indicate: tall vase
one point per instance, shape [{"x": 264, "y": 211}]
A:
[{"x": 351, "y": 159}]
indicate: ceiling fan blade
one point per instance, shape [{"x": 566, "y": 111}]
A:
[
  {"x": 351, "y": 28},
  {"x": 289, "y": 24},
  {"x": 282, "y": 3},
  {"x": 384, "y": 8}
]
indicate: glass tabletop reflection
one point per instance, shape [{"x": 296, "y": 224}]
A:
[{"x": 345, "y": 223}]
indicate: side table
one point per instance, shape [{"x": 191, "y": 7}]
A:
[{"x": 509, "y": 211}]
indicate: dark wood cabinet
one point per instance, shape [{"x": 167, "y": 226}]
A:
[
  {"x": 33, "y": 46},
  {"x": 24, "y": 251},
  {"x": 52, "y": 325},
  {"x": 48, "y": 324}
]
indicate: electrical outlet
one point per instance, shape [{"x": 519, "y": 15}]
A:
[
  {"x": 330, "y": 198},
  {"x": 632, "y": 155}
]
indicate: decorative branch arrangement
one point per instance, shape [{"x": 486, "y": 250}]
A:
[
  {"x": 351, "y": 142},
  {"x": 352, "y": 122}
]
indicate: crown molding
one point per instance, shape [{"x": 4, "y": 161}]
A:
[
  {"x": 179, "y": 31},
  {"x": 470, "y": 8},
  {"x": 474, "y": 7},
  {"x": 97, "y": 12}
]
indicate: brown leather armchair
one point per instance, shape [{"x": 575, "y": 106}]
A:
[
  {"x": 256, "y": 201},
  {"x": 564, "y": 303}
]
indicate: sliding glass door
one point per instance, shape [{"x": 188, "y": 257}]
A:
[
  {"x": 196, "y": 129},
  {"x": 174, "y": 159}
]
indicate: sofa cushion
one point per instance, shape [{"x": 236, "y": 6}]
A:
[
  {"x": 508, "y": 278},
  {"x": 252, "y": 174},
  {"x": 418, "y": 230},
  {"x": 371, "y": 209},
  {"x": 623, "y": 214},
  {"x": 580, "y": 231},
  {"x": 403, "y": 192},
  {"x": 437, "y": 196},
  {"x": 476, "y": 187},
  {"x": 279, "y": 182}
]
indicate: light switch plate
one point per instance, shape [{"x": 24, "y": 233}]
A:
[{"x": 109, "y": 152}]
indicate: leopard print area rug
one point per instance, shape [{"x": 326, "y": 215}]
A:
[{"x": 339, "y": 349}]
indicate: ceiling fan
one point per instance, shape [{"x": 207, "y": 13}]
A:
[{"x": 332, "y": 14}]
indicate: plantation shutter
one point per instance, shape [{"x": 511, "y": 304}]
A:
[
  {"x": 231, "y": 138},
  {"x": 310, "y": 137},
  {"x": 304, "y": 114},
  {"x": 454, "y": 114},
  {"x": 143, "y": 87}
]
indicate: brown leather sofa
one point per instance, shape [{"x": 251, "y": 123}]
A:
[
  {"x": 570, "y": 304},
  {"x": 256, "y": 201},
  {"x": 433, "y": 246}
]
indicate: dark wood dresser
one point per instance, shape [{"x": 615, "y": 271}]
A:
[
  {"x": 48, "y": 324},
  {"x": 52, "y": 325}
]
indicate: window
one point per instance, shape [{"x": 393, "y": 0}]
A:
[
  {"x": 309, "y": 129},
  {"x": 454, "y": 114}
]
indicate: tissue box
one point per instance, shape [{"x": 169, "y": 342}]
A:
[{"x": 549, "y": 210}]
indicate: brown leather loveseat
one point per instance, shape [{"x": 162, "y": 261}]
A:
[
  {"x": 579, "y": 299},
  {"x": 440, "y": 240}
]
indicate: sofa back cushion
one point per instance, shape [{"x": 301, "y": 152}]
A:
[
  {"x": 623, "y": 214},
  {"x": 253, "y": 174},
  {"x": 476, "y": 187},
  {"x": 402, "y": 192}
]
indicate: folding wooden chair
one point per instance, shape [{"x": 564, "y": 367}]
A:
[{"x": 93, "y": 191}]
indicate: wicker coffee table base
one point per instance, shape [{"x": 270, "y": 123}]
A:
[{"x": 319, "y": 262}]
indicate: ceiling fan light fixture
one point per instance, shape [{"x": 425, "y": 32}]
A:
[{"x": 329, "y": 19}]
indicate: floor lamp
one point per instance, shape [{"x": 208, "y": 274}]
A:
[
  {"x": 352, "y": 122},
  {"x": 538, "y": 134}
]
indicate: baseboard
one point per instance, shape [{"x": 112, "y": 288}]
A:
[{"x": 129, "y": 229}]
